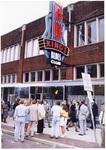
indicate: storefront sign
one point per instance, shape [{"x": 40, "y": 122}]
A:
[
  {"x": 52, "y": 40},
  {"x": 87, "y": 82}
]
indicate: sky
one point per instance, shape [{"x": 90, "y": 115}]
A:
[{"x": 15, "y": 13}]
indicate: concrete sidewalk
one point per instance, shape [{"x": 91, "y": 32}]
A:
[{"x": 71, "y": 134}]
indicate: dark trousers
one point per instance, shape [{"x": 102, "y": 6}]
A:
[
  {"x": 40, "y": 126},
  {"x": 94, "y": 122}
]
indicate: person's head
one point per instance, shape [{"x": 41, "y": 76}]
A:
[
  {"x": 64, "y": 107},
  {"x": 82, "y": 101},
  {"x": 21, "y": 101},
  {"x": 103, "y": 107},
  {"x": 39, "y": 102},
  {"x": 64, "y": 101},
  {"x": 58, "y": 103},
  {"x": 44, "y": 102},
  {"x": 25, "y": 102},
  {"x": 34, "y": 101},
  {"x": 73, "y": 102}
]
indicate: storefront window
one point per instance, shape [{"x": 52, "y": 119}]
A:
[
  {"x": 92, "y": 70},
  {"x": 22, "y": 92},
  {"x": 75, "y": 90},
  {"x": 63, "y": 74},
  {"x": 99, "y": 89},
  {"x": 79, "y": 70},
  {"x": 102, "y": 29},
  {"x": 47, "y": 75},
  {"x": 39, "y": 75},
  {"x": 55, "y": 74},
  {"x": 80, "y": 35},
  {"x": 32, "y": 76},
  {"x": 53, "y": 93},
  {"x": 92, "y": 32},
  {"x": 101, "y": 70},
  {"x": 11, "y": 90}
]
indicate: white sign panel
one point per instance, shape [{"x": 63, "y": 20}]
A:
[
  {"x": 90, "y": 96},
  {"x": 87, "y": 82}
]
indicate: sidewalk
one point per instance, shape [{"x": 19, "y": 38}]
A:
[{"x": 72, "y": 138}]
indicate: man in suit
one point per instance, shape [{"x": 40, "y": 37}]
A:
[
  {"x": 102, "y": 125},
  {"x": 83, "y": 114},
  {"x": 95, "y": 113},
  {"x": 33, "y": 118},
  {"x": 19, "y": 118}
]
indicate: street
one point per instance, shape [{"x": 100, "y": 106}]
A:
[{"x": 8, "y": 142}]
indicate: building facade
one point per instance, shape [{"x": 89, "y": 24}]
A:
[{"x": 25, "y": 72}]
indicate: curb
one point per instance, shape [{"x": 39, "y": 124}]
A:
[{"x": 54, "y": 144}]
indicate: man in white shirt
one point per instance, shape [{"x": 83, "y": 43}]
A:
[
  {"x": 102, "y": 124},
  {"x": 56, "y": 111},
  {"x": 83, "y": 114},
  {"x": 19, "y": 118}
]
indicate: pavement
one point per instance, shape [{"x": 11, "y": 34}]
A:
[{"x": 72, "y": 139}]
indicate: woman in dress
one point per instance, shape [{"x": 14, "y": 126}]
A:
[
  {"x": 73, "y": 116},
  {"x": 63, "y": 119}
]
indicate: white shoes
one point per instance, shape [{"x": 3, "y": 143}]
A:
[{"x": 63, "y": 135}]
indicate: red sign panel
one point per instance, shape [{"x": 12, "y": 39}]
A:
[
  {"x": 57, "y": 23},
  {"x": 57, "y": 30},
  {"x": 58, "y": 12},
  {"x": 56, "y": 46}
]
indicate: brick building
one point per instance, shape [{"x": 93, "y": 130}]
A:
[{"x": 25, "y": 72}]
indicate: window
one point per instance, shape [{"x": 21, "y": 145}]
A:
[
  {"x": 63, "y": 74},
  {"x": 28, "y": 49},
  {"x": 102, "y": 29},
  {"x": 47, "y": 75},
  {"x": 89, "y": 32},
  {"x": 35, "y": 47},
  {"x": 8, "y": 55},
  {"x": 79, "y": 70},
  {"x": 4, "y": 55},
  {"x": 92, "y": 32},
  {"x": 75, "y": 90},
  {"x": 16, "y": 77},
  {"x": 80, "y": 35},
  {"x": 99, "y": 89},
  {"x": 32, "y": 76},
  {"x": 13, "y": 78},
  {"x": 16, "y": 52},
  {"x": 101, "y": 70},
  {"x": 26, "y": 77},
  {"x": 1, "y": 55},
  {"x": 1, "y": 79},
  {"x": 12, "y": 53},
  {"x": 5, "y": 78},
  {"x": 55, "y": 74},
  {"x": 92, "y": 70},
  {"x": 9, "y": 78},
  {"x": 39, "y": 75},
  {"x": 65, "y": 37},
  {"x": 22, "y": 92}
]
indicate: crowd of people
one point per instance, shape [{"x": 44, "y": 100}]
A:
[{"x": 28, "y": 114}]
